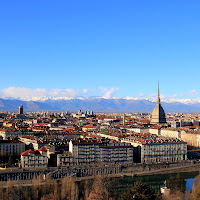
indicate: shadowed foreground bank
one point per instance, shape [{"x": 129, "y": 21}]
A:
[
  {"x": 64, "y": 189},
  {"x": 98, "y": 188}
]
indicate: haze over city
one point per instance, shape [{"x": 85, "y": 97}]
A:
[{"x": 100, "y": 49}]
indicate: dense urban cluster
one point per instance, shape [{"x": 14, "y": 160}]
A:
[
  {"x": 47, "y": 139},
  {"x": 60, "y": 145}
]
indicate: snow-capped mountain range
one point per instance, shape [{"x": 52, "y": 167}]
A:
[
  {"x": 99, "y": 104},
  {"x": 45, "y": 99}
]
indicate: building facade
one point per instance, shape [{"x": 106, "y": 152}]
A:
[
  {"x": 153, "y": 149},
  {"x": 8, "y": 133},
  {"x": 94, "y": 151},
  {"x": 116, "y": 153},
  {"x": 85, "y": 151},
  {"x": 163, "y": 152},
  {"x": 34, "y": 159},
  {"x": 61, "y": 160},
  {"x": 11, "y": 147}
]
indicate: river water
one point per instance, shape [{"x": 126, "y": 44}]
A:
[{"x": 174, "y": 181}]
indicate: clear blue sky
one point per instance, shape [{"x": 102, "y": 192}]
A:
[{"x": 91, "y": 44}]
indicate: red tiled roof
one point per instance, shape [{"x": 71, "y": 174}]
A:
[
  {"x": 26, "y": 153},
  {"x": 42, "y": 149}
]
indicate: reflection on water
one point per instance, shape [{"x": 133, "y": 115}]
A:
[
  {"x": 189, "y": 182},
  {"x": 175, "y": 181}
]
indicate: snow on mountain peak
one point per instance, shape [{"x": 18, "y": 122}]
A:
[{"x": 151, "y": 99}]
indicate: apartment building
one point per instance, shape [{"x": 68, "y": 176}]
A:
[
  {"x": 115, "y": 152},
  {"x": 85, "y": 151},
  {"x": 191, "y": 137},
  {"x": 153, "y": 149},
  {"x": 89, "y": 151},
  {"x": 163, "y": 152},
  {"x": 11, "y": 147},
  {"x": 61, "y": 159},
  {"x": 34, "y": 159}
]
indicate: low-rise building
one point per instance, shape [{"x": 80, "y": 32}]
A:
[
  {"x": 61, "y": 159},
  {"x": 34, "y": 159}
]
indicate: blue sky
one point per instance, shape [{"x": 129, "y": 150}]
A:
[{"x": 100, "y": 47}]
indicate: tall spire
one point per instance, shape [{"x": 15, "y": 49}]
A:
[
  {"x": 158, "y": 98},
  {"x": 158, "y": 114}
]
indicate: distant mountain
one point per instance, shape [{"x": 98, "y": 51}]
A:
[{"x": 99, "y": 105}]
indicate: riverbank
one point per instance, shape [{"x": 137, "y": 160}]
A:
[
  {"x": 129, "y": 171},
  {"x": 119, "y": 182},
  {"x": 177, "y": 169}
]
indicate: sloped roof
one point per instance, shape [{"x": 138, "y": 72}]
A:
[
  {"x": 28, "y": 152},
  {"x": 42, "y": 149}
]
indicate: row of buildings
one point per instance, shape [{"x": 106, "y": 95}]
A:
[
  {"x": 64, "y": 139},
  {"x": 81, "y": 152},
  {"x": 130, "y": 149}
]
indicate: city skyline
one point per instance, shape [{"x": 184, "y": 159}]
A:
[{"x": 100, "y": 49}]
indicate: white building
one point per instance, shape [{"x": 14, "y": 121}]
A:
[
  {"x": 153, "y": 149},
  {"x": 34, "y": 159},
  {"x": 163, "y": 152}
]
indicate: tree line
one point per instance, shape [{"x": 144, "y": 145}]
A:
[{"x": 100, "y": 188}]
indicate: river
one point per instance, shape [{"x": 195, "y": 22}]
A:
[{"x": 174, "y": 181}]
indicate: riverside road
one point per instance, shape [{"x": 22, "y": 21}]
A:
[{"x": 87, "y": 172}]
